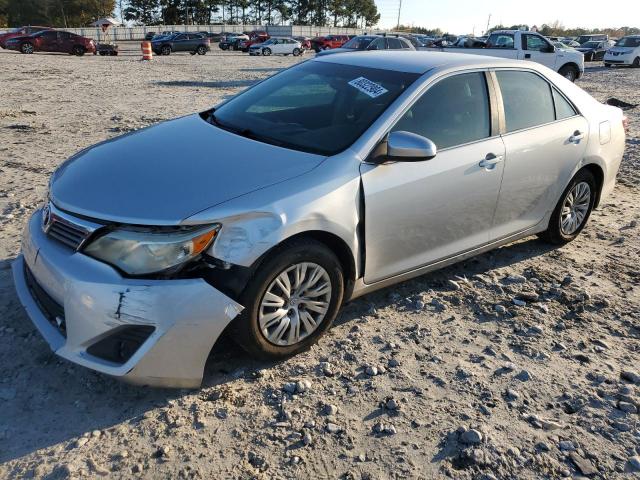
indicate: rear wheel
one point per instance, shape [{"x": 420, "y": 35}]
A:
[
  {"x": 297, "y": 52},
  {"x": 78, "y": 50},
  {"x": 569, "y": 72},
  {"x": 266, "y": 52},
  {"x": 636, "y": 63},
  {"x": 202, "y": 50},
  {"x": 224, "y": 46},
  {"x": 165, "y": 50},
  {"x": 291, "y": 301},
  {"x": 607, "y": 65},
  {"x": 573, "y": 209},
  {"x": 26, "y": 48}
]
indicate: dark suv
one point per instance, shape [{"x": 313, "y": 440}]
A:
[
  {"x": 181, "y": 42},
  {"x": 52, "y": 41}
]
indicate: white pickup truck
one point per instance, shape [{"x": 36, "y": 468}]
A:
[{"x": 531, "y": 46}]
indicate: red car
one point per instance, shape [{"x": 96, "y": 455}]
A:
[
  {"x": 329, "y": 41},
  {"x": 52, "y": 41},
  {"x": 256, "y": 36},
  {"x": 20, "y": 32},
  {"x": 304, "y": 41}
]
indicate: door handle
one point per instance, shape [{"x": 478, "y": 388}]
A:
[
  {"x": 527, "y": 55},
  {"x": 490, "y": 161},
  {"x": 576, "y": 137}
]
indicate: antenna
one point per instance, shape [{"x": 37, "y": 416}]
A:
[
  {"x": 488, "y": 22},
  {"x": 399, "y": 11}
]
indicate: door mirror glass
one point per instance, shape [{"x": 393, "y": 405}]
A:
[{"x": 409, "y": 147}]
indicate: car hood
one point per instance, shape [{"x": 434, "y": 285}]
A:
[
  {"x": 163, "y": 174},
  {"x": 583, "y": 49}
]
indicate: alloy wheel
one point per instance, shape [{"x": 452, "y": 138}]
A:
[
  {"x": 295, "y": 304},
  {"x": 27, "y": 48},
  {"x": 575, "y": 208}
]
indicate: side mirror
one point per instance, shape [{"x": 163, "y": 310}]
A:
[
  {"x": 409, "y": 147},
  {"x": 549, "y": 49}
]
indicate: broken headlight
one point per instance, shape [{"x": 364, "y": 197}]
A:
[{"x": 138, "y": 251}]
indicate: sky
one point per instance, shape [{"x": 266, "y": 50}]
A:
[{"x": 463, "y": 16}]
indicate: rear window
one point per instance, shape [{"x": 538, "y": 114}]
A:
[{"x": 527, "y": 100}]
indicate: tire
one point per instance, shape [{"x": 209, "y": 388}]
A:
[
  {"x": 266, "y": 52},
  {"x": 569, "y": 72},
  {"x": 202, "y": 50},
  {"x": 607, "y": 65},
  {"x": 556, "y": 233},
  {"x": 165, "y": 50},
  {"x": 260, "y": 339},
  {"x": 78, "y": 50},
  {"x": 27, "y": 48},
  {"x": 297, "y": 52},
  {"x": 224, "y": 47},
  {"x": 636, "y": 63}
]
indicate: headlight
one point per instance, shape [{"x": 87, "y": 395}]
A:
[{"x": 141, "y": 251}]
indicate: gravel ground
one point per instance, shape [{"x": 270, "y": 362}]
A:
[{"x": 520, "y": 363}]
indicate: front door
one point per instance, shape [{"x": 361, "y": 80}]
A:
[
  {"x": 417, "y": 213},
  {"x": 537, "y": 49},
  {"x": 545, "y": 139}
]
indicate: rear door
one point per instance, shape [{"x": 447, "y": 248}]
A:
[
  {"x": 545, "y": 139},
  {"x": 49, "y": 41},
  {"x": 417, "y": 213},
  {"x": 180, "y": 42},
  {"x": 537, "y": 49},
  {"x": 66, "y": 41}
]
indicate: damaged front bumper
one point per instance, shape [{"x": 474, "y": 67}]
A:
[{"x": 89, "y": 314}]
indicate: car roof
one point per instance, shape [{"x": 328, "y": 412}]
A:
[{"x": 413, "y": 61}]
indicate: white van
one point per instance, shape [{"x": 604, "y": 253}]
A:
[{"x": 626, "y": 51}]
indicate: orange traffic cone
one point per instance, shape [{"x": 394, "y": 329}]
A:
[{"x": 147, "y": 54}]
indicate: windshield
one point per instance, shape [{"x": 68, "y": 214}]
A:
[
  {"x": 629, "y": 42},
  {"x": 587, "y": 38},
  {"x": 316, "y": 107},
  {"x": 590, "y": 45},
  {"x": 358, "y": 43}
]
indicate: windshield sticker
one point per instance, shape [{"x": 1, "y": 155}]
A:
[{"x": 368, "y": 87}]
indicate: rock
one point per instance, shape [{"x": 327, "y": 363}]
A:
[
  {"x": 381, "y": 428},
  {"x": 536, "y": 330},
  {"x": 327, "y": 369},
  {"x": 307, "y": 439},
  {"x": 330, "y": 410},
  {"x": 391, "y": 404},
  {"x": 518, "y": 303},
  {"x": 627, "y": 407},
  {"x": 512, "y": 394},
  {"x": 515, "y": 279},
  {"x": 289, "y": 388},
  {"x": 524, "y": 376},
  {"x": 393, "y": 363},
  {"x": 471, "y": 437},
  {"x": 630, "y": 376},
  {"x": 566, "y": 446},
  {"x": 81, "y": 441},
  {"x": 584, "y": 465},
  {"x": 501, "y": 309},
  {"x": 582, "y": 358},
  {"x": 303, "y": 386},
  {"x": 633, "y": 464},
  {"x": 550, "y": 426},
  {"x": 542, "y": 446},
  {"x": 257, "y": 461},
  {"x": 371, "y": 370},
  {"x": 333, "y": 428}
]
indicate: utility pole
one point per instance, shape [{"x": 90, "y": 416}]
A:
[
  {"x": 399, "y": 11},
  {"x": 488, "y": 22}
]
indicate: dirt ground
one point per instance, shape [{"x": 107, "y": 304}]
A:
[{"x": 442, "y": 376}]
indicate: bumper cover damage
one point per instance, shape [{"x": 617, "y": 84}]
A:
[{"x": 187, "y": 315}]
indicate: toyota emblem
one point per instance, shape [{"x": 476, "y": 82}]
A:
[{"x": 46, "y": 217}]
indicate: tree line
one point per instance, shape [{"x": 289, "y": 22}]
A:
[{"x": 76, "y": 13}]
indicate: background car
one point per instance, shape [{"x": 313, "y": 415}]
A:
[
  {"x": 594, "y": 50},
  {"x": 149, "y": 35},
  {"x": 328, "y": 41},
  {"x": 304, "y": 41},
  {"x": 214, "y": 37},
  {"x": 255, "y": 37},
  {"x": 371, "y": 43},
  {"x": 20, "y": 32},
  {"x": 277, "y": 46},
  {"x": 181, "y": 42},
  {"x": 626, "y": 51},
  {"x": 230, "y": 41},
  {"x": 592, "y": 37},
  {"x": 562, "y": 45},
  {"x": 57, "y": 41}
]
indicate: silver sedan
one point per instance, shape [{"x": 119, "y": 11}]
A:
[{"x": 331, "y": 179}]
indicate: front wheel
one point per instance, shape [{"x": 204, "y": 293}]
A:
[
  {"x": 573, "y": 209},
  {"x": 165, "y": 50},
  {"x": 78, "y": 50},
  {"x": 266, "y": 52},
  {"x": 297, "y": 52},
  {"x": 26, "y": 48},
  {"x": 636, "y": 63},
  {"x": 569, "y": 72},
  {"x": 607, "y": 65},
  {"x": 202, "y": 50},
  {"x": 291, "y": 301}
]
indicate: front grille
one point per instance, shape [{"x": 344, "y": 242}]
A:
[
  {"x": 66, "y": 233},
  {"x": 52, "y": 310}
]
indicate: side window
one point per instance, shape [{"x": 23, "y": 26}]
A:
[
  {"x": 394, "y": 44},
  {"x": 377, "y": 44},
  {"x": 50, "y": 35},
  {"x": 535, "y": 43},
  {"x": 452, "y": 112},
  {"x": 527, "y": 99},
  {"x": 405, "y": 43},
  {"x": 181, "y": 37},
  {"x": 563, "y": 108},
  {"x": 500, "y": 40}
]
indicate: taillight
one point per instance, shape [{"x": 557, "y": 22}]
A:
[{"x": 625, "y": 123}]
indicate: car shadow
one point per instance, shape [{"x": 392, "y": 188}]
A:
[
  {"x": 48, "y": 401},
  {"x": 223, "y": 84}
]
